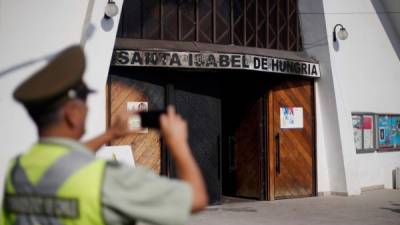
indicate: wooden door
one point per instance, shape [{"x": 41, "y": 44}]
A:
[
  {"x": 145, "y": 146},
  {"x": 291, "y": 150},
  {"x": 247, "y": 147}
]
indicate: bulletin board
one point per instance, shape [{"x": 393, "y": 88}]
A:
[
  {"x": 364, "y": 132},
  {"x": 389, "y": 131}
]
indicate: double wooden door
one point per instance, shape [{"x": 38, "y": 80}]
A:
[
  {"x": 265, "y": 159},
  {"x": 273, "y": 146},
  {"x": 195, "y": 98}
]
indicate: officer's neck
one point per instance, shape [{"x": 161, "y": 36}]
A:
[{"x": 59, "y": 132}]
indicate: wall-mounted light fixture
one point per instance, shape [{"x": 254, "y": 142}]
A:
[
  {"x": 111, "y": 9},
  {"x": 342, "y": 33}
]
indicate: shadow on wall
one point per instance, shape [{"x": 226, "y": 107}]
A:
[
  {"x": 388, "y": 25},
  {"x": 336, "y": 45},
  {"x": 26, "y": 63},
  {"x": 107, "y": 26}
]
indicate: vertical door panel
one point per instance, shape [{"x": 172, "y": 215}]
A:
[
  {"x": 145, "y": 146},
  {"x": 203, "y": 115},
  {"x": 292, "y": 149},
  {"x": 247, "y": 152}
]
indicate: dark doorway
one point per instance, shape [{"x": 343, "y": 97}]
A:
[
  {"x": 243, "y": 119},
  {"x": 197, "y": 98}
]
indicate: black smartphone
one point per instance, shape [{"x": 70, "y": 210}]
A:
[{"x": 151, "y": 119}]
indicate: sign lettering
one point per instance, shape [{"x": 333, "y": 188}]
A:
[
  {"x": 214, "y": 61},
  {"x": 42, "y": 205}
]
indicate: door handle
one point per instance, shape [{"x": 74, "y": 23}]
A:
[
  {"x": 231, "y": 153},
  {"x": 219, "y": 156},
  {"x": 277, "y": 154}
]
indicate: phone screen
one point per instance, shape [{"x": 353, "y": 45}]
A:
[{"x": 151, "y": 119}]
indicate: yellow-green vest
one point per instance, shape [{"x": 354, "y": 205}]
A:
[{"x": 54, "y": 185}]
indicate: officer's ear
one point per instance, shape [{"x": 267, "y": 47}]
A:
[{"x": 75, "y": 113}]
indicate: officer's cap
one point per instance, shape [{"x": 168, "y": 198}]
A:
[{"x": 61, "y": 78}]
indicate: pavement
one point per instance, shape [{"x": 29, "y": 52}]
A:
[{"x": 381, "y": 207}]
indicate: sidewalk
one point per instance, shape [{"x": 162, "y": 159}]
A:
[{"x": 380, "y": 207}]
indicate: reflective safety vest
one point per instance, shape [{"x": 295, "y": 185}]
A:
[{"x": 53, "y": 185}]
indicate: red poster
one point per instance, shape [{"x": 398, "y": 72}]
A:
[{"x": 367, "y": 123}]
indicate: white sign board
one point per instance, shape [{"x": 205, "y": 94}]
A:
[
  {"x": 134, "y": 121},
  {"x": 207, "y": 60},
  {"x": 291, "y": 117},
  {"x": 121, "y": 153}
]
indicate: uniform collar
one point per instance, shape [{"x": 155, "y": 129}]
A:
[{"x": 67, "y": 142}]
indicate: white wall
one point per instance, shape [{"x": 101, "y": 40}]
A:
[
  {"x": 31, "y": 33},
  {"x": 330, "y": 167},
  {"x": 366, "y": 79},
  {"x": 98, "y": 49}
]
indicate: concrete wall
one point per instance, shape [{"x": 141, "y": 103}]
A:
[
  {"x": 365, "y": 71},
  {"x": 31, "y": 33},
  {"x": 391, "y": 6},
  {"x": 330, "y": 167},
  {"x": 98, "y": 49}
]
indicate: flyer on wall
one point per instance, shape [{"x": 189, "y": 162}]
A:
[
  {"x": 368, "y": 129},
  {"x": 134, "y": 121},
  {"x": 395, "y": 131},
  {"x": 384, "y": 132},
  {"x": 291, "y": 117},
  {"x": 357, "y": 131}
]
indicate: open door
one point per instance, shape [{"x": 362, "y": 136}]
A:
[
  {"x": 292, "y": 140},
  {"x": 246, "y": 146},
  {"x": 244, "y": 137}
]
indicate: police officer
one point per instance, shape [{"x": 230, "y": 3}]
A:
[{"x": 59, "y": 181}]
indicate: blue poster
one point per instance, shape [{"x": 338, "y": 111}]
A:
[
  {"x": 385, "y": 132},
  {"x": 395, "y": 131}
]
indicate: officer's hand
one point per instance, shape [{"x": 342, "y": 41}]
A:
[
  {"x": 174, "y": 128},
  {"x": 120, "y": 127}
]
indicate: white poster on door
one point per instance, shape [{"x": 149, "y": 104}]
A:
[
  {"x": 134, "y": 121},
  {"x": 291, "y": 117},
  {"x": 120, "y": 153}
]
